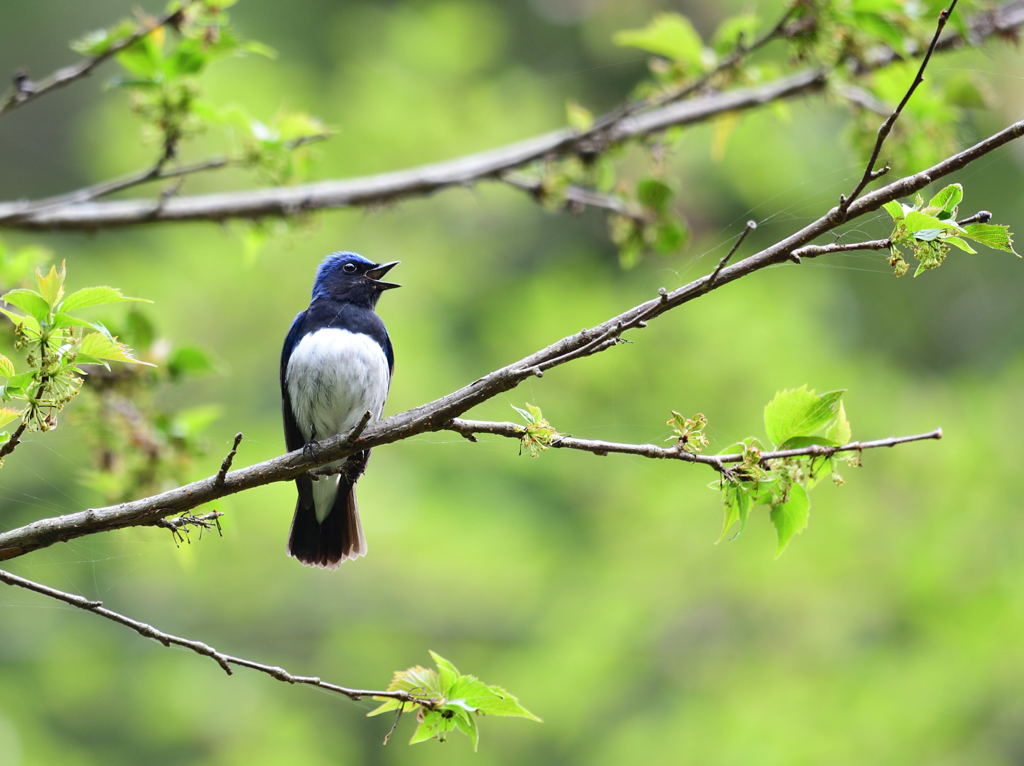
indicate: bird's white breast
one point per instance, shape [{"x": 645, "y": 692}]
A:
[{"x": 333, "y": 377}]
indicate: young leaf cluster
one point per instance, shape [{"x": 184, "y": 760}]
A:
[
  {"x": 538, "y": 433},
  {"x": 927, "y": 231},
  {"x": 55, "y": 340},
  {"x": 448, "y": 701},
  {"x": 793, "y": 419},
  {"x": 688, "y": 433},
  {"x": 658, "y": 229},
  {"x": 162, "y": 70}
]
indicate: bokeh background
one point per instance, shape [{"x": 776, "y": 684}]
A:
[{"x": 889, "y": 632}]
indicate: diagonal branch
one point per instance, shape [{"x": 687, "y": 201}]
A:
[
  {"x": 626, "y": 123},
  {"x": 403, "y": 184},
  {"x": 224, "y": 660},
  {"x": 25, "y": 90},
  {"x": 436, "y": 415}
]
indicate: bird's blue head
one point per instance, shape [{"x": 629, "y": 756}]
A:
[{"x": 350, "y": 277}]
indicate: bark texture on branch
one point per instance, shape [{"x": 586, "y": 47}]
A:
[{"x": 436, "y": 415}]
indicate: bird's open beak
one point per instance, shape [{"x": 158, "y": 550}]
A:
[{"x": 375, "y": 274}]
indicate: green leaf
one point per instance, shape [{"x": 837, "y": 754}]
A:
[
  {"x": 103, "y": 347},
  {"x": 88, "y": 297},
  {"x": 6, "y": 367},
  {"x": 654, "y": 193},
  {"x": 948, "y": 198},
  {"x": 51, "y": 285},
  {"x": 191, "y": 422},
  {"x": 491, "y": 699},
  {"x": 21, "y": 319},
  {"x": 144, "y": 58},
  {"x": 840, "y": 431},
  {"x": 894, "y": 209},
  {"x": 790, "y": 518},
  {"x": 188, "y": 360},
  {"x": 7, "y": 415},
  {"x": 799, "y": 412},
  {"x": 957, "y": 242},
  {"x": 29, "y": 301},
  {"x": 580, "y": 118},
  {"x": 670, "y": 35},
  {"x": 432, "y": 725},
  {"x": 466, "y": 723},
  {"x": 66, "y": 320},
  {"x": 670, "y": 237},
  {"x": 448, "y": 674},
  {"x": 734, "y": 31},
  {"x": 189, "y": 58},
  {"x": 996, "y": 236},
  {"x": 737, "y": 509},
  {"x": 916, "y": 221},
  {"x": 461, "y": 697}
]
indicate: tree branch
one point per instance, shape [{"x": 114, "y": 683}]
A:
[
  {"x": 577, "y": 197},
  {"x": 437, "y": 414},
  {"x": 157, "y": 172},
  {"x": 632, "y": 121},
  {"x": 225, "y": 661},
  {"x": 676, "y": 452},
  {"x": 25, "y": 90},
  {"x": 813, "y": 251}
]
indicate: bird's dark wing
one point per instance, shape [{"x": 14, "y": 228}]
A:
[
  {"x": 292, "y": 436},
  {"x": 390, "y": 354}
]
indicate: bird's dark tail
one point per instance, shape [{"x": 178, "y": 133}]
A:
[{"x": 327, "y": 543}]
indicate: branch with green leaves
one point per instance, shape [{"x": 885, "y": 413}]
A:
[
  {"x": 808, "y": 437},
  {"x": 436, "y": 415},
  {"x": 684, "y": 92},
  {"x": 443, "y": 699},
  {"x": 162, "y": 62},
  {"x": 808, "y": 434},
  {"x": 107, "y": 44},
  {"x": 56, "y": 342}
]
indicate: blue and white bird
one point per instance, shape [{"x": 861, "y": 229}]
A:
[{"x": 336, "y": 366}]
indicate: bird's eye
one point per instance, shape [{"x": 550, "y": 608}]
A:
[{"x": 349, "y": 268}]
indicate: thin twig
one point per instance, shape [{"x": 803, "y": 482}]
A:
[
  {"x": 180, "y": 525},
  {"x": 862, "y": 99},
  {"x": 579, "y": 196},
  {"x": 26, "y": 91},
  {"x": 225, "y": 465},
  {"x": 350, "y": 438},
  {"x": 434, "y": 415},
  {"x": 813, "y": 251},
  {"x": 224, "y": 660},
  {"x": 870, "y": 172},
  {"x": 749, "y": 227},
  {"x": 675, "y": 452},
  {"x": 15, "y": 439}
]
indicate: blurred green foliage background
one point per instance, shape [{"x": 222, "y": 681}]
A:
[{"x": 889, "y": 632}]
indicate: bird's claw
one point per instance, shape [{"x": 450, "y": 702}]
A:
[{"x": 311, "y": 449}]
